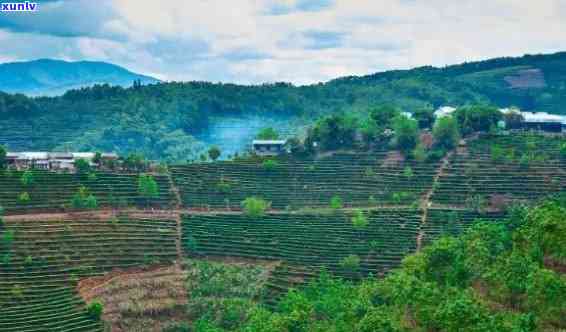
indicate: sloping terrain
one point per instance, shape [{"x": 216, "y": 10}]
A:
[
  {"x": 162, "y": 120},
  {"x": 47, "y": 77}
]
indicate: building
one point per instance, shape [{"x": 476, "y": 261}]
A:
[
  {"x": 52, "y": 160},
  {"x": 269, "y": 147},
  {"x": 444, "y": 111},
  {"x": 542, "y": 121}
]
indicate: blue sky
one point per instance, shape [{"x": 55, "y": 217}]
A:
[{"x": 299, "y": 41}]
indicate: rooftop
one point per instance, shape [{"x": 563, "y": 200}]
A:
[{"x": 269, "y": 142}]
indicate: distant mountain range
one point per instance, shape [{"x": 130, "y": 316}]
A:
[{"x": 48, "y": 77}]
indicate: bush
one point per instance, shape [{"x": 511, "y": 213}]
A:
[
  {"x": 359, "y": 220},
  {"x": 214, "y": 153},
  {"x": 147, "y": 188},
  {"x": 83, "y": 200},
  {"x": 270, "y": 164},
  {"x": 82, "y": 166},
  {"x": 446, "y": 134},
  {"x": 255, "y": 207},
  {"x": 27, "y": 178},
  {"x": 95, "y": 309},
  {"x": 406, "y": 134},
  {"x": 336, "y": 202},
  {"x": 24, "y": 198},
  {"x": 350, "y": 263}
]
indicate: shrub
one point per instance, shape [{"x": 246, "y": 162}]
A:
[
  {"x": 91, "y": 203},
  {"x": 24, "y": 198},
  {"x": 214, "y": 153},
  {"x": 82, "y": 166},
  {"x": 270, "y": 164},
  {"x": 408, "y": 173},
  {"x": 223, "y": 187},
  {"x": 95, "y": 309},
  {"x": 83, "y": 200},
  {"x": 27, "y": 178},
  {"x": 406, "y": 133},
  {"x": 445, "y": 132},
  {"x": 359, "y": 220},
  {"x": 147, "y": 188},
  {"x": 350, "y": 263},
  {"x": 267, "y": 134},
  {"x": 255, "y": 207},
  {"x": 336, "y": 202}
]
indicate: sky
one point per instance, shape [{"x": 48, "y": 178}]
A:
[{"x": 298, "y": 41}]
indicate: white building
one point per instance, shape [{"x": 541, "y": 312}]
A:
[
  {"x": 444, "y": 111},
  {"x": 268, "y": 147}
]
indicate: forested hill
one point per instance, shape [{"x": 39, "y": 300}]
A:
[
  {"x": 162, "y": 120},
  {"x": 49, "y": 77}
]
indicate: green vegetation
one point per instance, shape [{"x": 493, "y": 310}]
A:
[
  {"x": 82, "y": 166},
  {"x": 214, "y": 153},
  {"x": 446, "y": 133},
  {"x": 406, "y": 133},
  {"x": 336, "y": 202},
  {"x": 84, "y": 200},
  {"x": 147, "y": 188},
  {"x": 95, "y": 309},
  {"x": 27, "y": 178},
  {"x": 268, "y": 134},
  {"x": 496, "y": 277},
  {"x": 270, "y": 164},
  {"x": 162, "y": 120},
  {"x": 3, "y": 153},
  {"x": 255, "y": 207}
]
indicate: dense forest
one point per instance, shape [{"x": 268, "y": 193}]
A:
[{"x": 162, "y": 120}]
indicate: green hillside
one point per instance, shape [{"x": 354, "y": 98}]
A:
[{"x": 170, "y": 121}]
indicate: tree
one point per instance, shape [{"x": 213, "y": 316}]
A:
[
  {"x": 360, "y": 221},
  {"x": 270, "y": 164},
  {"x": 84, "y": 200},
  {"x": 214, "y": 153},
  {"x": 477, "y": 118},
  {"x": 383, "y": 116},
  {"x": 82, "y": 166},
  {"x": 27, "y": 178},
  {"x": 406, "y": 133},
  {"x": 424, "y": 116},
  {"x": 336, "y": 202},
  {"x": 95, "y": 310},
  {"x": 513, "y": 120},
  {"x": 147, "y": 188},
  {"x": 135, "y": 162},
  {"x": 3, "y": 161},
  {"x": 267, "y": 134},
  {"x": 24, "y": 198},
  {"x": 332, "y": 132},
  {"x": 445, "y": 132},
  {"x": 350, "y": 263},
  {"x": 97, "y": 158},
  {"x": 255, "y": 207}
]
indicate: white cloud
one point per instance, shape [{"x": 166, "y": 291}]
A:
[{"x": 302, "y": 41}]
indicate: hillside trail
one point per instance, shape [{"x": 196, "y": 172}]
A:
[
  {"x": 426, "y": 201},
  {"x": 177, "y": 215}
]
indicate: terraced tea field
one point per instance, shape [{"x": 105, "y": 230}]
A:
[
  {"x": 500, "y": 169},
  {"x": 53, "y": 191},
  {"x": 360, "y": 181},
  {"x": 311, "y": 241},
  {"x": 42, "y": 261}
]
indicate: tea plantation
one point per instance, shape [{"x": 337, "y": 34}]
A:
[
  {"x": 42, "y": 261},
  {"x": 47, "y": 191},
  {"x": 360, "y": 180}
]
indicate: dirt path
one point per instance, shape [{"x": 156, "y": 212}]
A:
[{"x": 426, "y": 203}]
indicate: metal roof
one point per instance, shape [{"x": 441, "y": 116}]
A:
[{"x": 269, "y": 142}]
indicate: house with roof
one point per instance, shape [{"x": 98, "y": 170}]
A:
[
  {"x": 269, "y": 147},
  {"x": 52, "y": 160}
]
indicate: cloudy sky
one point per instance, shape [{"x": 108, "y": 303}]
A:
[{"x": 299, "y": 41}]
